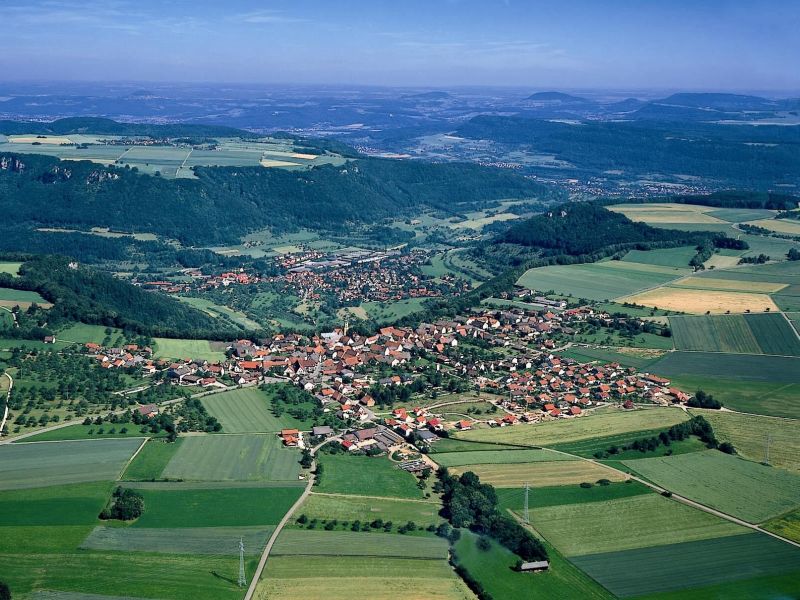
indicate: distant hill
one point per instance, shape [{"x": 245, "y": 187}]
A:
[
  {"x": 723, "y": 102},
  {"x": 627, "y": 105},
  {"x": 434, "y": 95},
  {"x": 109, "y": 127},
  {"x": 557, "y": 98}
]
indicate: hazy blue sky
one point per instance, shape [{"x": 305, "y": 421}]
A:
[{"x": 692, "y": 44}]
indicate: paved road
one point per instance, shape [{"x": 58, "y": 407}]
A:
[{"x": 268, "y": 548}]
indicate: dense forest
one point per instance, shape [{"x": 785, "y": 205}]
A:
[
  {"x": 226, "y": 202},
  {"x": 82, "y": 294},
  {"x": 100, "y": 126},
  {"x": 757, "y": 157}
]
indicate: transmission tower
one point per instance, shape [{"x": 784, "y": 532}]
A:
[
  {"x": 242, "y": 578},
  {"x": 766, "y": 449},
  {"x": 527, "y": 489}
]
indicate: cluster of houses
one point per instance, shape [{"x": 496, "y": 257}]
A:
[{"x": 524, "y": 378}]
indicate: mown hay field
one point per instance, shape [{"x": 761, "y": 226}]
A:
[
  {"x": 635, "y": 522},
  {"x": 304, "y": 542},
  {"x": 233, "y": 458},
  {"x": 56, "y": 463},
  {"x": 378, "y": 578},
  {"x": 702, "y": 301},
  {"x": 598, "y": 424},
  {"x": 733, "y": 485},
  {"x": 729, "y": 285},
  {"x": 352, "y": 508},
  {"x": 786, "y": 226},
  {"x": 541, "y": 474},
  {"x": 731, "y": 560},
  {"x": 750, "y": 334}
]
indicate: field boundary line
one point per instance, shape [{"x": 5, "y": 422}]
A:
[
  {"x": 791, "y": 325},
  {"x": 130, "y": 460}
]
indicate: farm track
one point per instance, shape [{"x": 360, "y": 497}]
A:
[
  {"x": 8, "y": 397},
  {"x": 358, "y": 496},
  {"x": 251, "y": 590}
]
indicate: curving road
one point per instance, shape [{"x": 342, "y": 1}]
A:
[{"x": 8, "y": 397}]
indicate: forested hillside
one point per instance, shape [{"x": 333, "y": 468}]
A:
[
  {"x": 79, "y": 293},
  {"x": 224, "y": 203},
  {"x": 756, "y": 157}
]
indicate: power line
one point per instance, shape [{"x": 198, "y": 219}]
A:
[
  {"x": 242, "y": 578},
  {"x": 527, "y": 490},
  {"x": 766, "y": 449}
]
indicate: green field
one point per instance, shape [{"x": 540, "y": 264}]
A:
[
  {"x": 735, "y": 486},
  {"x": 81, "y": 333},
  {"x": 233, "y": 458},
  {"x": 787, "y": 525},
  {"x": 169, "y": 576},
  {"x": 750, "y": 383},
  {"x": 496, "y": 457},
  {"x": 448, "y": 445},
  {"x": 600, "y": 424},
  {"x": 221, "y": 312},
  {"x": 376, "y": 578},
  {"x": 352, "y": 508},
  {"x": 384, "y": 312},
  {"x": 179, "y": 349},
  {"x": 634, "y": 522},
  {"x": 751, "y": 334},
  {"x": 11, "y": 268},
  {"x": 598, "y": 282},
  {"x": 514, "y": 498},
  {"x": 79, "y": 431},
  {"x": 64, "y": 505},
  {"x": 56, "y": 463},
  {"x": 665, "y": 257},
  {"x": 365, "y": 476},
  {"x": 304, "y": 542},
  {"x": 494, "y": 569},
  {"x": 243, "y": 411},
  {"x": 151, "y": 460},
  {"x": 200, "y": 540},
  {"x": 9, "y": 296},
  {"x": 588, "y": 447},
  {"x": 220, "y": 507},
  {"x": 765, "y": 587},
  {"x": 749, "y": 434},
  {"x": 640, "y": 359},
  {"x": 673, "y": 567}
]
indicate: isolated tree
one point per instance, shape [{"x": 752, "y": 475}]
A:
[{"x": 5, "y": 591}]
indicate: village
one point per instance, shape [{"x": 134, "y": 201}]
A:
[
  {"x": 387, "y": 387},
  {"x": 352, "y": 277}
]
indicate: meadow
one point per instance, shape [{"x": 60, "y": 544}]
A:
[
  {"x": 665, "y": 214},
  {"x": 10, "y": 297},
  {"x": 11, "y": 268},
  {"x": 787, "y": 525},
  {"x": 79, "y": 431},
  {"x": 62, "y": 505},
  {"x": 514, "y": 498},
  {"x": 304, "y": 542},
  {"x": 733, "y": 485},
  {"x": 751, "y": 334},
  {"x": 200, "y": 540},
  {"x": 233, "y": 458},
  {"x": 598, "y": 424},
  {"x": 666, "y": 257},
  {"x": 698, "y": 564},
  {"x": 629, "y": 357},
  {"x": 378, "y": 578},
  {"x": 180, "y": 348},
  {"x": 215, "y": 507},
  {"x": 637, "y": 521},
  {"x": 81, "y": 333},
  {"x": 352, "y": 508},
  {"x": 595, "y": 281},
  {"x": 541, "y": 474},
  {"x": 749, "y": 435},
  {"x": 221, "y": 312},
  {"x": 29, "y": 465},
  {"x": 151, "y": 460},
  {"x": 365, "y": 476},
  {"x": 245, "y": 410},
  {"x": 494, "y": 568},
  {"x": 767, "y": 385},
  {"x": 588, "y": 447},
  {"x": 494, "y": 457}
]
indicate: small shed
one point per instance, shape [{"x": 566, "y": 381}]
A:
[
  {"x": 321, "y": 430},
  {"x": 539, "y": 565}
]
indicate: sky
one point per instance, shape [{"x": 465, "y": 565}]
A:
[{"x": 733, "y": 45}]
